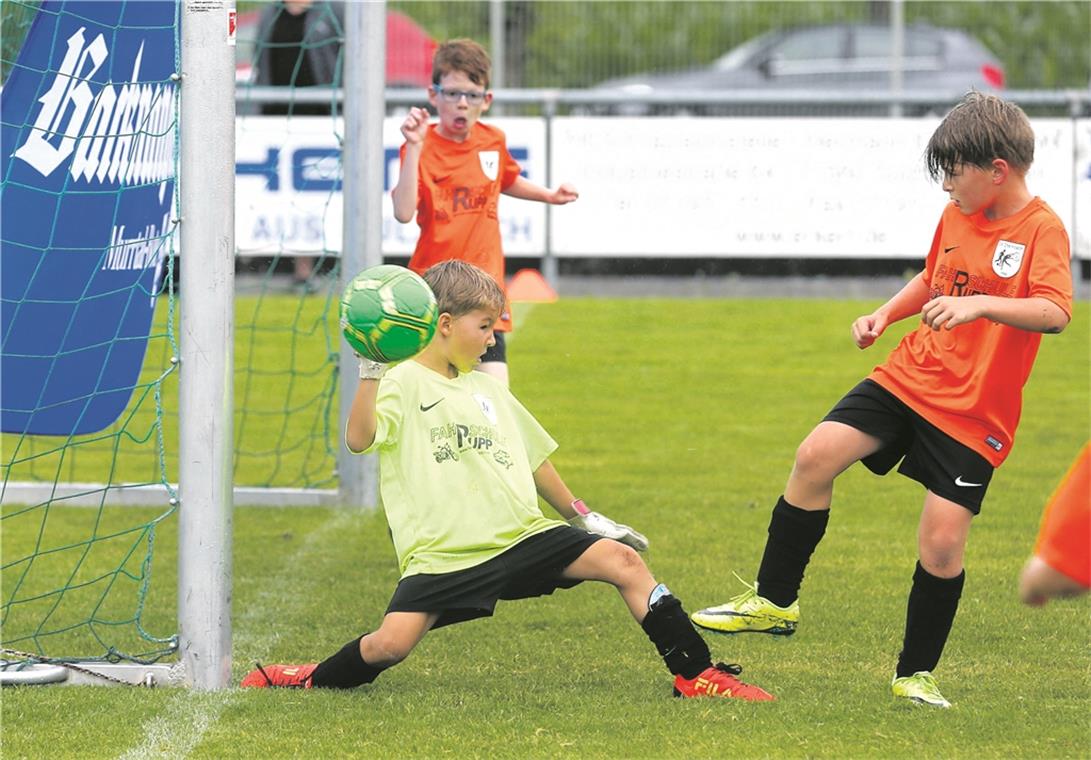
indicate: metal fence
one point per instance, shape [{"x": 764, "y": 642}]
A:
[
  {"x": 571, "y": 45},
  {"x": 553, "y": 102}
]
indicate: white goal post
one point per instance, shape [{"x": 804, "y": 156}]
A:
[{"x": 206, "y": 339}]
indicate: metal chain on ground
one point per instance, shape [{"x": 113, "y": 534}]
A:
[{"x": 72, "y": 666}]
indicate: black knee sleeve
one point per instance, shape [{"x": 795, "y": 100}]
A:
[{"x": 675, "y": 638}]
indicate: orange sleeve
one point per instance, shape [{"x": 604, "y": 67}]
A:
[
  {"x": 510, "y": 169},
  {"x": 1064, "y": 539},
  {"x": 1050, "y": 270}
]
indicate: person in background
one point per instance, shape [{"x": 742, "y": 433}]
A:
[
  {"x": 300, "y": 47},
  {"x": 452, "y": 175}
]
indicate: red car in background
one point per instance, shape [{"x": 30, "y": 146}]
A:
[{"x": 409, "y": 50}]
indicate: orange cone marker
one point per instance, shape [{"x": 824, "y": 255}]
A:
[{"x": 528, "y": 286}]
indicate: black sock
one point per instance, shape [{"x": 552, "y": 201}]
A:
[
  {"x": 793, "y": 535},
  {"x": 931, "y": 611},
  {"x": 344, "y": 670},
  {"x": 675, "y": 638}
]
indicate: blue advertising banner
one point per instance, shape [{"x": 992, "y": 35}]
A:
[{"x": 87, "y": 199}]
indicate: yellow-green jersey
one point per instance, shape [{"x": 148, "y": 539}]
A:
[{"x": 456, "y": 464}]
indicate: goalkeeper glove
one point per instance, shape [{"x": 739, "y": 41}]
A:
[
  {"x": 370, "y": 370},
  {"x": 601, "y": 525}
]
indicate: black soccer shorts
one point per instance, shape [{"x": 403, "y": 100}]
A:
[
  {"x": 927, "y": 454},
  {"x": 497, "y": 353},
  {"x": 531, "y": 568}
]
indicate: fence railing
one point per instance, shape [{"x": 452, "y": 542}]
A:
[{"x": 1070, "y": 102}]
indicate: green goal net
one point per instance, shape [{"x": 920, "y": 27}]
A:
[
  {"x": 88, "y": 513},
  {"x": 89, "y": 383}
]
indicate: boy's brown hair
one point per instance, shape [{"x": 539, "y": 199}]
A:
[
  {"x": 463, "y": 55},
  {"x": 461, "y": 288},
  {"x": 976, "y": 131}
]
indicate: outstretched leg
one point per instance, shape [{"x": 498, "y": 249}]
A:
[
  {"x": 619, "y": 565},
  {"x": 664, "y": 621},
  {"x": 358, "y": 662}
]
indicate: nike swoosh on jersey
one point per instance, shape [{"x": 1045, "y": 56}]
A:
[
  {"x": 424, "y": 408},
  {"x": 960, "y": 482},
  {"x": 948, "y": 250}
]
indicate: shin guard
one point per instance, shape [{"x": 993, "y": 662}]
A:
[{"x": 677, "y": 641}]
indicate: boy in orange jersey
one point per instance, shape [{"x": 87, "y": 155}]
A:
[
  {"x": 946, "y": 402},
  {"x": 453, "y": 172},
  {"x": 1061, "y": 565}
]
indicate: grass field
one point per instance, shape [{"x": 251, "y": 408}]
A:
[{"x": 681, "y": 418}]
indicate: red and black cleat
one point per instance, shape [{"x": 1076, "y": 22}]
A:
[
  {"x": 720, "y": 681},
  {"x": 279, "y": 677}
]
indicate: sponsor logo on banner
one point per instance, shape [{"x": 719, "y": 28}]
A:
[{"x": 88, "y": 192}]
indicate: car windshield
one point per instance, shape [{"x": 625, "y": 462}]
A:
[{"x": 736, "y": 57}]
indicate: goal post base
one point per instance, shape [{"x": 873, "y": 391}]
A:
[{"x": 90, "y": 674}]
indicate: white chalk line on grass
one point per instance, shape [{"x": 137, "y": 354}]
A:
[
  {"x": 190, "y": 714},
  {"x": 518, "y": 319},
  {"x": 174, "y": 734}
]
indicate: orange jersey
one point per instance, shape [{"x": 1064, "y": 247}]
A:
[
  {"x": 458, "y": 189},
  {"x": 1064, "y": 540},
  {"x": 968, "y": 381}
]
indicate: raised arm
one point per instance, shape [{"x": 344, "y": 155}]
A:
[
  {"x": 404, "y": 193},
  {"x": 360, "y": 428}
]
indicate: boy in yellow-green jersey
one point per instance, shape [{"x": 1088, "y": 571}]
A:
[{"x": 462, "y": 464}]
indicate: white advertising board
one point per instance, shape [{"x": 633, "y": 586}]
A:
[
  {"x": 765, "y": 187},
  {"x": 288, "y": 197},
  {"x": 663, "y": 187},
  {"x": 1081, "y": 240}
]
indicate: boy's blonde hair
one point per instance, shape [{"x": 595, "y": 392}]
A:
[
  {"x": 461, "y": 288},
  {"x": 976, "y": 131},
  {"x": 463, "y": 55}
]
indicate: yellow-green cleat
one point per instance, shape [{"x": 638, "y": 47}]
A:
[
  {"x": 920, "y": 688},
  {"x": 749, "y": 612}
]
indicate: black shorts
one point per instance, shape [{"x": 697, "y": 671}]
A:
[
  {"x": 532, "y": 567},
  {"x": 927, "y": 454},
  {"x": 497, "y": 353}
]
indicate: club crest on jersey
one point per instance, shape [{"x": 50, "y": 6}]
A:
[
  {"x": 487, "y": 408},
  {"x": 1008, "y": 257},
  {"x": 490, "y": 162}
]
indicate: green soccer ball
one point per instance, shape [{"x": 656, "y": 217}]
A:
[{"x": 388, "y": 313}]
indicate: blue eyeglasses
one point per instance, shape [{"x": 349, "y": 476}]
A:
[{"x": 453, "y": 96}]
